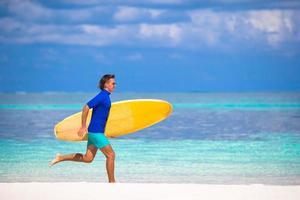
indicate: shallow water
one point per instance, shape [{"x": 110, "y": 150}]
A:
[{"x": 215, "y": 138}]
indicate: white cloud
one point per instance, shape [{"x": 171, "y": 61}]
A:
[
  {"x": 206, "y": 28},
  {"x": 40, "y": 13},
  {"x": 155, "y": 13},
  {"x": 80, "y": 2},
  {"x": 100, "y": 35},
  {"x": 97, "y": 2},
  {"x": 276, "y": 24},
  {"x": 28, "y": 10},
  {"x": 33, "y": 11},
  {"x": 9, "y": 25},
  {"x": 126, "y": 13},
  {"x": 272, "y": 26},
  {"x": 266, "y": 20},
  {"x": 169, "y": 34}
]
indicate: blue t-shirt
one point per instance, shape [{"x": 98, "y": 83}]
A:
[{"x": 101, "y": 106}]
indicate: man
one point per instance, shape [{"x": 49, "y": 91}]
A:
[{"x": 96, "y": 139}]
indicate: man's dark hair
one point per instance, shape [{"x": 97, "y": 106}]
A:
[{"x": 104, "y": 79}]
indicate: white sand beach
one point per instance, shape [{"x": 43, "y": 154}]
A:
[{"x": 140, "y": 191}]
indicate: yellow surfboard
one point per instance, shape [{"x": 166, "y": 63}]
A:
[{"x": 125, "y": 117}]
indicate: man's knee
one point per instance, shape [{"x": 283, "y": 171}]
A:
[
  {"x": 88, "y": 159},
  {"x": 111, "y": 155}
]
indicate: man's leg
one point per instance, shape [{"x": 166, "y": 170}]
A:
[
  {"x": 87, "y": 158},
  {"x": 110, "y": 162}
]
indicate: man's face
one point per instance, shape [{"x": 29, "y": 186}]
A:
[{"x": 111, "y": 84}]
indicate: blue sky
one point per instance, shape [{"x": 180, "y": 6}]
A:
[{"x": 151, "y": 46}]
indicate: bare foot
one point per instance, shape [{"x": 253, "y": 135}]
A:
[{"x": 55, "y": 160}]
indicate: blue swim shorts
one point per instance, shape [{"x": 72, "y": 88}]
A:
[{"x": 99, "y": 140}]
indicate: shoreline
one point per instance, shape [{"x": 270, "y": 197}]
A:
[{"x": 138, "y": 191}]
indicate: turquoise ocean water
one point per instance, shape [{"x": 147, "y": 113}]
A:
[{"x": 212, "y": 138}]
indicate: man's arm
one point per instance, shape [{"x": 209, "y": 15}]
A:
[
  {"x": 85, "y": 112},
  {"x": 83, "y": 129}
]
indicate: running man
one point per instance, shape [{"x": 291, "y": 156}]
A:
[{"x": 96, "y": 139}]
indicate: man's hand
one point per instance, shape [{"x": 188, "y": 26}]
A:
[{"x": 82, "y": 131}]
